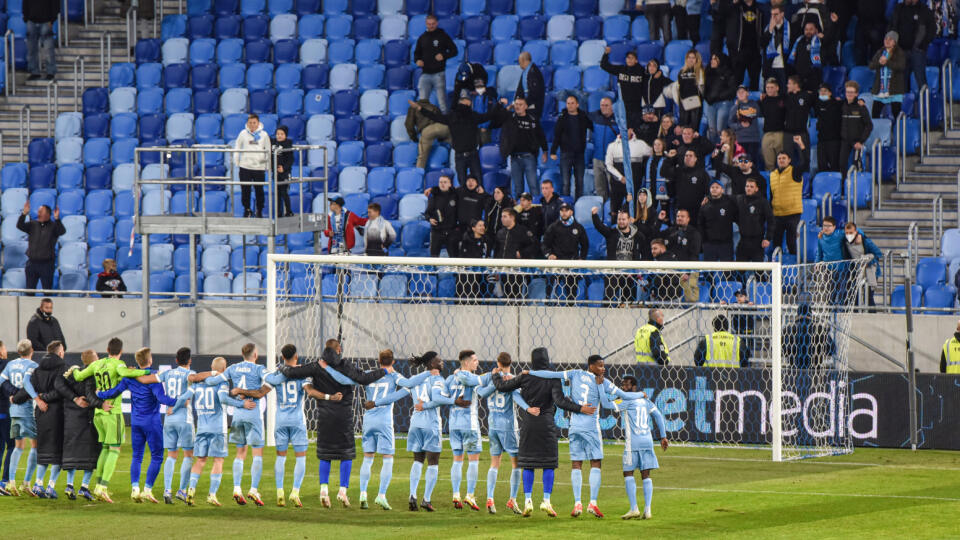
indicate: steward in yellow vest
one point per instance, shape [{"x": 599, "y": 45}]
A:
[
  {"x": 950, "y": 356},
  {"x": 648, "y": 343},
  {"x": 721, "y": 349}
]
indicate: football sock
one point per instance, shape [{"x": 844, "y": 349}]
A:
[
  {"x": 185, "y": 471},
  {"x": 87, "y": 475},
  {"x": 41, "y": 472},
  {"x": 433, "y": 471},
  {"x": 456, "y": 474},
  {"x": 101, "y": 461},
  {"x": 491, "y": 481},
  {"x": 365, "y": 473},
  {"x": 215, "y": 483},
  {"x": 547, "y": 483},
  {"x": 168, "y": 467},
  {"x": 110, "y": 465},
  {"x": 647, "y": 493},
  {"x": 415, "y": 470},
  {"x": 194, "y": 478},
  {"x": 70, "y": 474},
  {"x": 473, "y": 470},
  {"x": 54, "y": 475},
  {"x": 514, "y": 482},
  {"x": 323, "y": 471},
  {"x": 595, "y": 478},
  {"x": 278, "y": 470},
  {"x": 256, "y": 471},
  {"x": 299, "y": 471},
  {"x": 528, "y": 483},
  {"x": 630, "y": 484},
  {"x": 346, "y": 467},
  {"x": 31, "y": 464},
  {"x": 576, "y": 478},
  {"x": 14, "y": 463},
  {"x": 386, "y": 474},
  {"x": 237, "y": 473}
]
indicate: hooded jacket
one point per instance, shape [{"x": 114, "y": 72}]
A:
[
  {"x": 688, "y": 185},
  {"x": 49, "y": 423},
  {"x": 470, "y": 204},
  {"x": 42, "y": 329},
  {"x": 284, "y": 158},
  {"x": 474, "y": 248},
  {"x": 721, "y": 85},
  {"x": 684, "y": 241},
  {"x": 494, "y": 210},
  {"x": 334, "y": 419},
  {"x": 738, "y": 179},
  {"x": 653, "y": 87},
  {"x": 532, "y": 219},
  {"x": 623, "y": 246},
  {"x": 735, "y": 24},
  {"x": 81, "y": 449},
  {"x": 258, "y": 158},
  {"x": 799, "y": 105},
  {"x": 605, "y": 131},
  {"x": 915, "y": 24},
  {"x": 551, "y": 209},
  {"x": 41, "y": 237},
  {"x": 538, "y": 434},
  {"x": 516, "y": 240}
]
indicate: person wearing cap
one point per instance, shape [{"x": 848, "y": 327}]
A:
[
  {"x": 605, "y": 131},
  {"x": 109, "y": 282},
  {"x": 742, "y": 119},
  {"x": 442, "y": 214},
  {"x": 521, "y": 139},
  {"x": 889, "y": 67},
  {"x": 855, "y": 127},
  {"x": 719, "y": 93},
  {"x": 531, "y": 85},
  {"x": 340, "y": 227},
  {"x": 799, "y": 104},
  {"x": 431, "y": 52},
  {"x": 464, "y": 124},
  {"x": 648, "y": 126},
  {"x": 806, "y": 56},
  {"x": 916, "y": 27},
  {"x": 629, "y": 79},
  {"x": 773, "y": 109},
  {"x": 617, "y": 189},
  {"x": 755, "y": 221},
  {"x": 740, "y": 172},
  {"x": 424, "y": 131},
  {"x": 721, "y": 349},
  {"x": 715, "y": 221},
  {"x": 570, "y": 137},
  {"x": 743, "y": 29},
  {"x": 378, "y": 233},
  {"x": 531, "y": 217},
  {"x": 828, "y": 110},
  {"x": 776, "y": 45},
  {"x": 566, "y": 240}
]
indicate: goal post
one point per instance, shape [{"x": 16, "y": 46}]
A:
[{"x": 579, "y": 308}]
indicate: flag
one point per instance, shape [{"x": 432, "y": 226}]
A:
[{"x": 620, "y": 113}]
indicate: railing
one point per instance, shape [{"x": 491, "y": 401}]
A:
[
  {"x": 853, "y": 191},
  {"x": 801, "y": 242},
  {"x": 131, "y": 20},
  {"x": 900, "y": 146},
  {"x": 53, "y": 105},
  {"x": 105, "y": 57},
  {"x": 24, "y": 112},
  {"x": 78, "y": 76},
  {"x": 937, "y": 221},
  {"x": 913, "y": 243},
  {"x": 958, "y": 199},
  {"x": 886, "y": 274},
  {"x": 826, "y": 205},
  {"x": 946, "y": 87},
  {"x": 11, "y": 62},
  {"x": 88, "y": 12},
  {"x": 924, "y": 105},
  {"x": 876, "y": 174},
  {"x": 63, "y": 38}
]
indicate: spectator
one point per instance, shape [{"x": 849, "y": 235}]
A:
[
  {"x": 530, "y": 216},
  {"x": 716, "y": 219},
  {"x": 828, "y": 110},
  {"x": 471, "y": 203},
  {"x": 495, "y": 205},
  {"x": 773, "y": 109},
  {"x": 109, "y": 281},
  {"x": 871, "y": 27},
  {"x": 916, "y": 27},
  {"x": 721, "y": 349},
  {"x": 648, "y": 126},
  {"x": 624, "y": 242},
  {"x": 857, "y": 246},
  {"x": 433, "y": 48},
  {"x": 521, "y": 139},
  {"x": 727, "y": 151},
  {"x": 424, "y": 131},
  {"x": 670, "y": 132},
  {"x": 812, "y": 11},
  {"x": 786, "y": 194},
  {"x": 42, "y": 237},
  {"x": 855, "y": 127},
  {"x": 442, "y": 214},
  {"x": 741, "y": 172},
  {"x": 799, "y": 103},
  {"x": 950, "y": 355},
  {"x": 776, "y": 43},
  {"x": 830, "y": 241},
  {"x": 743, "y": 121},
  {"x": 658, "y": 19},
  {"x": 687, "y": 16},
  {"x": 945, "y": 16},
  {"x": 664, "y": 286},
  {"x": 252, "y": 159},
  {"x": 616, "y": 169},
  {"x": 514, "y": 242},
  {"x": 689, "y": 89},
  {"x": 889, "y": 67},
  {"x": 690, "y": 139},
  {"x": 379, "y": 233},
  {"x": 566, "y": 240},
  {"x": 570, "y": 136},
  {"x": 743, "y": 29},
  {"x": 340, "y": 227},
  {"x": 648, "y": 220},
  {"x": 531, "y": 85},
  {"x": 470, "y": 77},
  {"x": 654, "y": 85},
  {"x": 605, "y": 131},
  {"x": 719, "y": 91},
  {"x": 40, "y": 16},
  {"x": 43, "y": 328},
  {"x": 464, "y": 126},
  {"x": 807, "y": 344},
  {"x": 630, "y": 77},
  {"x": 550, "y": 202},
  {"x": 685, "y": 241},
  {"x": 283, "y": 147},
  {"x": 689, "y": 181},
  {"x": 654, "y": 174},
  {"x": 484, "y": 101},
  {"x": 806, "y": 57},
  {"x": 755, "y": 221},
  {"x": 474, "y": 244}
]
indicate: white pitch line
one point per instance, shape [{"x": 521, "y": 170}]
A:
[
  {"x": 812, "y": 493},
  {"x": 815, "y": 461}
]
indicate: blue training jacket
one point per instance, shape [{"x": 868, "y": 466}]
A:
[{"x": 145, "y": 398}]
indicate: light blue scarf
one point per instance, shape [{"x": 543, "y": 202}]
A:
[
  {"x": 772, "y": 47},
  {"x": 814, "y": 51}
]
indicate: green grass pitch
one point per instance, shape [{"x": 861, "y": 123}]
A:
[{"x": 699, "y": 493}]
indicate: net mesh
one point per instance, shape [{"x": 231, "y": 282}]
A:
[{"x": 709, "y": 394}]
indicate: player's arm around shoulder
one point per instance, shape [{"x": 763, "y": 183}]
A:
[{"x": 115, "y": 391}]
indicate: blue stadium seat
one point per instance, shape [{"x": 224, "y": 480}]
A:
[
  {"x": 233, "y": 101},
  {"x": 560, "y": 27},
  {"x": 588, "y": 28},
  {"x": 347, "y": 129},
  {"x": 863, "y": 76},
  {"x": 41, "y": 197},
  {"x": 398, "y": 131},
  {"x": 826, "y": 182},
  {"x": 480, "y": 52},
  {"x": 396, "y": 53},
  {"x": 375, "y": 129},
  {"x": 380, "y": 181},
  {"x": 369, "y": 52},
  {"x": 95, "y": 100},
  {"x": 69, "y": 176},
  {"x": 173, "y": 26},
  {"x": 233, "y": 124},
  {"x": 255, "y": 26},
  {"x": 12, "y": 201},
  {"x": 405, "y": 155},
  {"x": 539, "y": 50},
  {"x": 99, "y": 203},
  {"x": 198, "y": 7},
  {"x": 122, "y": 74},
  {"x": 640, "y": 29},
  {"x": 345, "y": 103},
  {"x": 287, "y": 76},
  {"x": 320, "y": 127},
  {"x": 14, "y": 256},
  {"x": 313, "y": 51},
  {"x": 286, "y": 51},
  {"x": 178, "y": 100},
  {"x": 203, "y": 51},
  {"x": 179, "y": 126},
  {"x": 582, "y": 209},
  {"x": 370, "y": 78},
  {"x": 379, "y": 154},
  {"x": 257, "y": 51},
  {"x": 349, "y": 153},
  {"x": 343, "y": 77},
  {"x": 181, "y": 204},
  {"x": 199, "y": 27},
  {"x": 504, "y": 27},
  {"x": 353, "y": 180},
  {"x": 68, "y": 125},
  {"x": 76, "y": 227},
  {"x": 310, "y": 25},
  {"x": 590, "y": 53},
  {"x": 176, "y": 76},
  {"x": 263, "y": 102},
  {"x": 252, "y": 7},
  {"x": 219, "y": 284},
  {"x": 73, "y": 257},
  {"x": 616, "y": 28},
  {"x": 206, "y": 101},
  {"x": 476, "y": 28},
  {"x": 373, "y": 103},
  {"x": 290, "y": 102},
  {"x": 341, "y": 51},
  {"x": 123, "y": 206},
  {"x": 150, "y": 101},
  {"x": 339, "y": 26},
  {"x": 531, "y": 28},
  {"x": 123, "y": 177},
  {"x": 175, "y": 51},
  {"x": 567, "y": 78},
  {"x": 204, "y": 76},
  {"x": 41, "y": 150},
  {"x": 676, "y": 50},
  {"x": 42, "y": 176},
  {"x": 412, "y": 206},
  {"x": 942, "y": 297},
  {"x": 283, "y": 26},
  {"x": 409, "y": 181},
  {"x": 395, "y": 27},
  {"x": 100, "y": 232},
  {"x": 151, "y": 127},
  {"x": 595, "y": 79},
  {"x": 898, "y": 297},
  {"x": 397, "y": 102},
  {"x": 232, "y": 76},
  {"x": 149, "y": 76},
  {"x": 931, "y": 271},
  {"x": 147, "y": 51},
  {"x": 96, "y": 151},
  {"x": 949, "y": 244},
  {"x": 97, "y": 177},
  {"x": 259, "y": 77},
  {"x": 14, "y": 175},
  {"x": 227, "y": 27},
  {"x": 156, "y": 203},
  {"x": 230, "y": 51},
  {"x": 69, "y": 150},
  {"x": 315, "y": 79},
  {"x": 398, "y": 78}
]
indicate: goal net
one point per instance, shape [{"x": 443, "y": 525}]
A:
[{"x": 781, "y": 385}]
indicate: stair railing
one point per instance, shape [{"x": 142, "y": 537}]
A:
[
  {"x": 900, "y": 145},
  {"x": 105, "y": 57},
  {"x": 11, "y": 63},
  {"x": 802, "y": 242},
  {"x": 853, "y": 191},
  {"x": 913, "y": 243},
  {"x": 79, "y": 74},
  {"x": 53, "y": 104},
  {"x": 946, "y": 86},
  {"x": 131, "y": 20},
  {"x": 937, "y": 221},
  {"x": 924, "y": 106},
  {"x": 24, "y": 138}
]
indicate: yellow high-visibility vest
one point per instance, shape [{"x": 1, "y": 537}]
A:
[
  {"x": 723, "y": 350},
  {"x": 951, "y": 351},
  {"x": 641, "y": 343}
]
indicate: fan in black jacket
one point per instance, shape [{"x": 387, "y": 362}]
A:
[
  {"x": 464, "y": 126},
  {"x": 654, "y": 83},
  {"x": 739, "y": 172},
  {"x": 472, "y": 201},
  {"x": 828, "y": 111},
  {"x": 538, "y": 434},
  {"x": 282, "y": 146},
  {"x": 755, "y": 220},
  {"x": 720, "y": 89},
  {"x": 514, "y": 242},
  {"x": 474, "y": 244},
  {"x": 333, "y": 417},
  {"x": 531, "y": 85},
  {"x": 570, "y": 137},
  {"x": 715, "y": 221},
  {"x": 442, "y": 214},
  {"x": 689, "y": 181},
  {"x": 630, "y": 80},
  {"x": 625, "y": 242},
  {"x": 495, "y": 206}
]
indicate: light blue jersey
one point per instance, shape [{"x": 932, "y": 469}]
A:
[
  {"x": 175, "y": 384},
  {"x": 18, "y": 373},
  {"x": 635, "y": 417},
  {"x": 247, "y": 376},
  {"x": 584, "y": 390},
  {"x": 209, "y": 402},
  {"x": 501, "y": 414},
  {"x": 392, "y": 387},
  {"x": 433, "y": 393},
  {"x": 465, "y": 386},
  {"x": 290, "y": 394}
]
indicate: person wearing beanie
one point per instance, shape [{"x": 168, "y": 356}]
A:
[
  {"x": 715, "y": 221},
  {"x": 889, "y": 66}
]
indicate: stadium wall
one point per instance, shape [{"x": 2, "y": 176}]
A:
[{"x": 222, "y": 328}]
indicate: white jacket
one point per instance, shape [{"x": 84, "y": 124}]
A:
[
  {"x": 638, "y": 150},
  {"x": 254, "y": 161},
  {"x": 380, "y": 231}
]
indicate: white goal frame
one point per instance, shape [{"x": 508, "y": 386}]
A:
[{"x": 774, "y": 268}]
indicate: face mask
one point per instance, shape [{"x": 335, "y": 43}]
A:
[
  {"x": 850, "y": 237},
  {"x": 481, "y": 90},
  {"x": 824, "y": 98}
]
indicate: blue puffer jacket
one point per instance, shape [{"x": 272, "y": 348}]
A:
[{"x": 605, "y": 131}]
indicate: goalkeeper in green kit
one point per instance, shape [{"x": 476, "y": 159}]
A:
[{"x": 107, "y": 373}]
